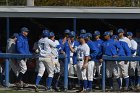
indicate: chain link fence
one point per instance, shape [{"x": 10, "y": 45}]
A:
[{"x": 89, "y": 3}]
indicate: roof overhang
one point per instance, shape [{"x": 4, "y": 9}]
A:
[{"x": 71, "y": 12}]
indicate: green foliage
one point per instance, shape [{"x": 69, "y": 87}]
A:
[{"x": 90, "y": 3}]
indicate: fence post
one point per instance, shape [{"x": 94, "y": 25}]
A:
[
  {"x": 74, "y": 24},
  {"x": 66, "y": 74},
  {"x": 103, "y": 75},
  {"x": 7, "y": 62},
  {"x": 7, "y": 73}
]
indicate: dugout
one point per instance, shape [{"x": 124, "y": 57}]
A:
[{"x": 59, "y": 18}]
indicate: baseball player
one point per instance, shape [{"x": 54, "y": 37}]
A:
[
  {"x": 72, "y": 68},
  {"x": 98, "y": 64},
  {"x": 83, "y": 52},
  {"x": 45, "y": 46},
  {"x": 126, "y": 64},
  {"x": 55, "y": 54},
  {"x": 123, "y": 66},
  {"x": 22, "y": 47},
  {"x": 92, "y": 57},
  {"x": 109, "y": 49},
  {"x": 11, "y": 48},
  {"x": 133, "y": 64}
]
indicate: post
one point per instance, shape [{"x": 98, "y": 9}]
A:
[
  {"x": 66, "y": 74},
  {"x": 30, "y": 2},
  {"x": 74, "y": 25},
  {"x": 103, "y": 75},
  {"x": 7, "y": 62}
]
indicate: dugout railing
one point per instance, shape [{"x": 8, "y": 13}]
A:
[
  {"x": 7, "y": 56},
  {"x": 109, "y": 58}
]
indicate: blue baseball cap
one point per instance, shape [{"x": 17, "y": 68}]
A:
[
  {"x": 82, "y": 36},
  {"x": 15, "y": 35},
  {"x": 129, "y": 34},
  {"x": 82, "y": 31},
  {"x": 51, "y": 34},
  {"x": 96, "y": 33},
  {"x": 24, "y": 29},
  {"x": 67, "y": 31},
  {"x": 88, "y": 35},
  {"x": 72, "y": 34},
  {"x": 46, "y": 33},
  {"x": 115, "y": 37},
  {"x": 120, "y": 30},
  {"x": 106, "y": 33}
]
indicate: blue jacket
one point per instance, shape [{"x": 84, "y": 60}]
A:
[
  {"x": 108, "y": 48},
  {"x": 93, "y": 50},
  {"x": 126, "y": 48},
  {"x": 22, "y": 46},
  {"x": 98, "y": 44},
  {"x": 67, "y": 50},
  {"x": 120, "y": 50}
]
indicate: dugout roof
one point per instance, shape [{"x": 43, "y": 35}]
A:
[{"x": 71, "y": 12}]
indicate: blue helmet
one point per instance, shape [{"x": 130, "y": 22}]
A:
[
  {"x": 24, "y": 29},
  {"x": 107, "y": 33},
  {"x": 82, "y": 31},
  {"x": 88, "y": 35},
  {"x": 67, "y": 31},
  {"x": 120, "y": 30},
  {"x": 46, "y": 33},
  {"x": 82, "y": 36},
  {"x": 115, "y": 37},
  {"x": 96, "y": 33},
  {"x": 129, "y": 34},
  {"x": 51, "y": 34},
  {"x": 72, "y": 34}
]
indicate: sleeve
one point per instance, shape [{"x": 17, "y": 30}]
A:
[
  {"x": 119, "y": 48},
  {"x": 20, "y": 46},
  {"x": 8, "y": 47},
  {"x": 127, "y": 49},
  {"x": 52, "y": 44},
  {"x": 94, "y": 51},
  {"x": 134, "y": 46},
  {"x": 87, "y": 51}
]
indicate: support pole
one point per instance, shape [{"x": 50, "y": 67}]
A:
[
  {"x": 66, "y": 74},
  {"x": 7, "y": 61},
  {"x": 103, "y": 76},
  {"x": 74, "y": 24}
]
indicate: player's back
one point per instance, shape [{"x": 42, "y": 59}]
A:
[{"x": 44, "y": 47}]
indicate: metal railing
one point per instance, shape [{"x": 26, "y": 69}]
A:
[
  {"x": 88, "y": 3},
  {"x": 105, "y": 58},
  {"x": 109, "y": 58}
]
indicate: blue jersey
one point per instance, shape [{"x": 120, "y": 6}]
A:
[
  {"x": 66, "y": 49},
  {"x": 22, "y": 46},
  {"x": 93, "y": 50},
  {"x": 98, "y": 44},
  {"x": 126, "y": 48},
  {"x": 108, "y": 48}
]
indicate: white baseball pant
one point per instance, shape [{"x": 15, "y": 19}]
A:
[
  {"x": 46, "y": 63},
  {"x": 86, "y": 74},
  {"x": 123, "y": 69},
  {"x": 112, "y": 69}
]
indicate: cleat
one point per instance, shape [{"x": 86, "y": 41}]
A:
[
  {"x": 36, "y": 89},
  {"x": 126, "y": 89}
]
